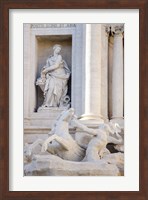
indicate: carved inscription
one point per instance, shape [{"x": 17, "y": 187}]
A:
[{"x": 53, "y": 25}]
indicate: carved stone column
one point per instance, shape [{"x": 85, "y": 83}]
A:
[
  {"x": 117, "y": 74},
  {"x": 27, "y": 59},
  {"x": 104, "y": 71},
  {"x": 110, "y": 67},
  {"x": 92, "y": 107}
]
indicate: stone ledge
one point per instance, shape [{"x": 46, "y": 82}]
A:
[
  {"x": 41, "y": 130},
  {"x": 50, "y": 165}
]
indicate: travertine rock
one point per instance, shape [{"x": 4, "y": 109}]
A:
[
  {"x": 117, "y": 159},
  {"x": 119, "y": 147},
  {"x": 54, "y": 166}
]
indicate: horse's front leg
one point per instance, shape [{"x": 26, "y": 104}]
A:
[
  {"x": 59, "y": 139},
  {"x": 63, "y": 142},
  {"x": 45, "y": 144}
]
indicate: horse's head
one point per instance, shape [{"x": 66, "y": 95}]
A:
[{"x": 67, "y": 115}]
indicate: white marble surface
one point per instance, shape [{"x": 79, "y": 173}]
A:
[{"x": 91, "y": 151}]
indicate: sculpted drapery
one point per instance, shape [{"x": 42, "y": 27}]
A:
[{"x": 53, "y": 80}]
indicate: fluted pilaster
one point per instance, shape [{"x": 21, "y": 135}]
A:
[{"x": 117, "y": 73}]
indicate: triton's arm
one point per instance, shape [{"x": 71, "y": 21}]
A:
[{"x": 83, "y": 127}]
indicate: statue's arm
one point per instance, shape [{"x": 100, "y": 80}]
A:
[
  {"x": 84, "y": 128},
  {"x": 53, "y": 67}
]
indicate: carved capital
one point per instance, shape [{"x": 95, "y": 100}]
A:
[
  {"x": 117, "y": 30},
  {"x": 107, "y": 30}
]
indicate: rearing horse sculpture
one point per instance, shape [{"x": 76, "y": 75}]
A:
[{"x": 62, "y": 144}]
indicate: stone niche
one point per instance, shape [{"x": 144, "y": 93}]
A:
[
  {"x": 44, "y": 49},
  {"x": 38, "y": 42}
]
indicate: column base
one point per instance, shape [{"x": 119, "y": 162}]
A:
[{"x": 91, "y": 119}]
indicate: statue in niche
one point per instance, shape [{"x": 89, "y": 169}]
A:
[{"x": 53, "y": 80}]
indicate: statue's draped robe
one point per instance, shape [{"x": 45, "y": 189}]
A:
[{"x": 55, "y": 86}]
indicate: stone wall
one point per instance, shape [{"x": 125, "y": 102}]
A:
[{"x": 90, "y": 52}]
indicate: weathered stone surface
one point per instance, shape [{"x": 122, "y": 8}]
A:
[
  {"x": 119, "y": 147},
  {"x": 50, "y": 165},
  {"x": 117, "y": 159}
]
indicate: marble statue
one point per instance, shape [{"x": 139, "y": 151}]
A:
[
  {"x": 106, "y": 133},
  {"x": 62, "y": 151},
  {"x": 53, "y": 80},
  {"x": 61, "y": 142}
]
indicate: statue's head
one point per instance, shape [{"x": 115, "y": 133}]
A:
[{"x": 57, "y": 48}]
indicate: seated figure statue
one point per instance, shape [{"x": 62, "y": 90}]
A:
[
  {"x": 97, "y": 146},
  {"x": 53, "y": 80}
]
